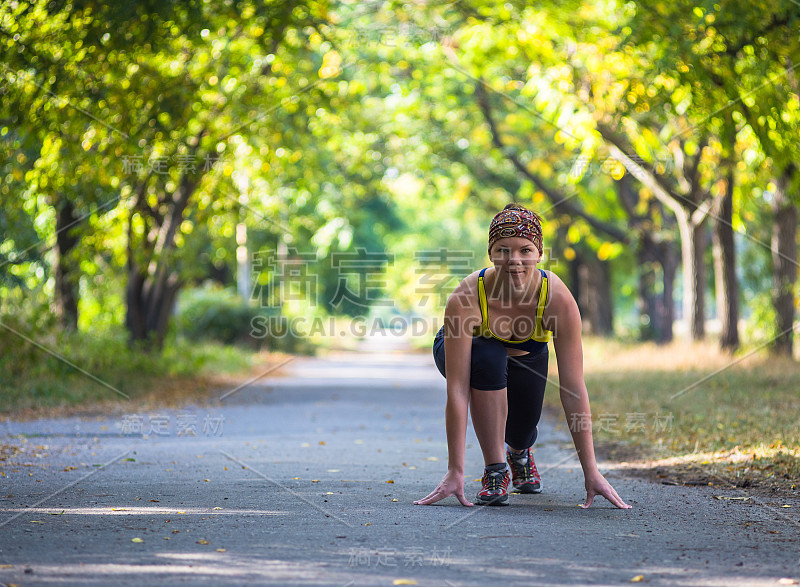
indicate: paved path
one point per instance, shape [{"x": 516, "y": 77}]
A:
[{"x": 309, "y": 479}]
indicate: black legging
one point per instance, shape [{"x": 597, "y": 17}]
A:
[{"x": 524, "y": 378}]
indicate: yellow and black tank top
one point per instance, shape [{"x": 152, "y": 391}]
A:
[{"x": 536, "y": 341}]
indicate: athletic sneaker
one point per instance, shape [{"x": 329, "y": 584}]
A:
[
  {"x": 495, "y": 488},
  {"x": 525, "y": 477}
]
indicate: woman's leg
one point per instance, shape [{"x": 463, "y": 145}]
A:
[
  {"x": 527, "y": 378},
  {"x": 489, "y": 410},
  {"x": 488, "y": 396}
]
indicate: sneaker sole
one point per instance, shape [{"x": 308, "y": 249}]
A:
[
  {"x": 499, "y": 500},
  {"x": 528, "y": 488}
]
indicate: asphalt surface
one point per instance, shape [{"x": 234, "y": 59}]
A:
[{"x": 309, "y": 479}]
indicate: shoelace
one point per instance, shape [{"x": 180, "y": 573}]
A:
[
  {"x": 494, "y": 480},
  {"x": 534, "y": 471},
  {"x": 524, "y": 467},
  {"x": 523, "y": 464}
]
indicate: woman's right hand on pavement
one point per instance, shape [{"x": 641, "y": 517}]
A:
[{"x": 452, "y": 484}]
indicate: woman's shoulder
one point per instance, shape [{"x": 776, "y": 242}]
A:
[
  {"x": 465, "y": 295},
  {"x": 469, "y": 283},
  {"x": 560, "y": 300}
]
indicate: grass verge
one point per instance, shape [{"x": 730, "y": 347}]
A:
[
  {"x": 688, "y": 414},
  {"x": 83, "y": 374}
]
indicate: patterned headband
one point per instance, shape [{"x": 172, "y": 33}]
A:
[{"x": 516, "y": 221}]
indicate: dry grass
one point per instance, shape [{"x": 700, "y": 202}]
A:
[
  {"x": 690, "y": 412},
  {"x": 147, "y": 391}
]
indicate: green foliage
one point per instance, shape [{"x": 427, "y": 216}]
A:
[
  {"x": 332, "y": 128},
  {"x": 92, "y": 367},
  {"x": 222, "y": 316}
]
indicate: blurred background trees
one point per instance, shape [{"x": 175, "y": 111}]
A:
[{"x": 355, "y": 152}]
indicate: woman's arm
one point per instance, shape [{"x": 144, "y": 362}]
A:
[
  {"x": 457, "y": 358},
  {"x": 574, "y": 397},
  {"x": 459, "y": 320}
]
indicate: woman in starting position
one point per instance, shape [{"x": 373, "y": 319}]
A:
[{"x": 492, "y": 349}]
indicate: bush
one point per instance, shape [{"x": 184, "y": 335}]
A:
[
  {"x": 87, "y": 367},
  {"x": 221, "y": 315}
]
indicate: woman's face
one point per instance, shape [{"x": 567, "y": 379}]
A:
[{"x": 515, "y": 257}]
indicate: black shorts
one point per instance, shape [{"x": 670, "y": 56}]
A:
[{"x": 523, "y": 377}]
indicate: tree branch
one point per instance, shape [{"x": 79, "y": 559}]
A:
[
  {"x": 559, "y": 201},
  {"x": 650, "y": 180}
]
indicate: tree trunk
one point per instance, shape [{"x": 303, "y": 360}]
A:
[
  {"x": 594, "y": 295},
  {"x": 698, "y": 282},
  {"x": 150, "y": 303},
  {"x": 727, "y": 286},
  {"x": 687, "y": 269},
  {"x": 690, "y": 219},
  {"x": 153, "y": 279},
  {"x": 601, "y": 303},
  {"x": 647, "y": 303},
  {"x": 669, "y": 266},
  {"x": 784, "y": 259},
  {"x": 66, "y": 282}
]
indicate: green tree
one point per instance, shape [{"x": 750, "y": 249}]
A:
[{"x": 739, "y": 60}]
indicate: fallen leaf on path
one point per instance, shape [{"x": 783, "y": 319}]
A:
[
  {"x": 120, "y": 509},
  {"x": 136, "y": 540},
  {"x": 202, "y": 542},
  {"x": 431, "y": 458},
  {"x": 221, "y": 550},
  {"x": 6, "y": 566},
  {"x": 725, "y": 497},
  {"x": 786, "y": 506},
  {"x": 404, "y": 582},
  {"x": 36, "y": 522},
  {"x": 57, "y": 513},
  {"x": 217, "y": 508},
  {"x": 390, "y": 481},
  {"x": 637, "y": 579},
  {"x": 787, "y": 581},
  {"x": 394, "y": 500}
]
